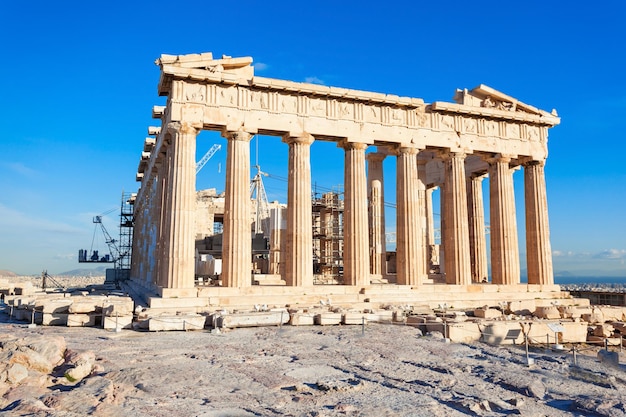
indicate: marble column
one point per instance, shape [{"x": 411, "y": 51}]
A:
[
  {"x": 478, "y": 240},
  {"x": 299, "y": 233},
  {"x": 538, "y": 249},
  {"x": 159, "y": 280},
  {"x": 136, "y": 254},
  {"x": 376, "y": 191},
  {"x": 410, "y": 263},
  {"x": 422, "y": 196},
  {"x": 236, "y": 238},
  {"x": 432, "y": 248},
  {"x": 180, "y": 216},
  {"x": 356, "y": 269},
  {"x": 456, "y": 228},
  {"x": 277, "y": 237},
  {"x": 505, "y": 267}
]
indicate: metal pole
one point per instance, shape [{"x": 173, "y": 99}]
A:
[
  {"x": 574, "y": 353},
  {"x": 548, "y": 341},
  {"x": 363, "y": 326},
  {"x": 526, "y": 343},
  {"x": 621, "y": 342},
  {"x": 606, "y": 344}
]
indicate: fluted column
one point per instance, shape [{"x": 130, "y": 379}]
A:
[
  {"x": 162, "y": 243},
  {"x": 138, "y": 218},
  {"x": 236, "y": 240},
  {"x": 299, "y": 233},
  {"x": 376, "y": 191},
  {"x": 478, "y": 241},
  {"x": 181, "y": 207},
  {"x": 159, "y": 204},
  {"x": 152, "y": 228},
  {"x": 410, "y": 263},
  {"x": 431, "y": 248},
  {"x": 505, "y": 267},
  {"x": 538, "y": 249},
  {"x": 422, "y": 184},
  {"x": 456, "y": 231},
  {"x": 355, "y": 236}
]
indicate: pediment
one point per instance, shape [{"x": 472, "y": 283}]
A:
[{"x": 489, "y": 98}]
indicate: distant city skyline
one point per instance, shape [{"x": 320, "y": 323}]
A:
[{"x": 81, "y": 83}]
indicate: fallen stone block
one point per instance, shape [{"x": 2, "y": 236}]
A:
[
  {"x": 570, "y": 312},
  {"x": 253, "y": 319},
  {"x": 120, "y": 306},
  {"x": 353, "y": 317},
  {"x": 118, "y": 322},
  {"x": 178, "y": 322},
  {"x": 327, "y": 319},
  {"x": 54, "y": 319},
  {"x": 302, "y": 319},
  {"x": 603, "y": 330},
  {"x": 380, "y": 316},
  {"x": 465, "y": 332},
  {"x": 522, "y": 307},
  {"x": 54, "y": 306},
  {"x": 89, "y": 304},
  {"x": 547, "y": 312},
  {"x": 611, "y": 313},
  {"x": 620, "y": 326},
  {"x": 501, "y": 333},
  {"x": 399, "y": 316},
  {"x": 601, "y": 341},
  {"x": 81, "y": 320},
  {"x": 596, "y": 316},
  {"x": 415, "y": 321},
  {"x": 487, "y": 313}
]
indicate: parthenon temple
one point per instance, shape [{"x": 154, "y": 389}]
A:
[{"x": 312, "y": 249}]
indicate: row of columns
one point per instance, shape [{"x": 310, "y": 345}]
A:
[
  {"x": 164, "y": 221},
  {"x": 462, "y": 221}
]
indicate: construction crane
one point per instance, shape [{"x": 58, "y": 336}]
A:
[
  {"x": 202, "y": 162},
  {"x": 257, "y": 193},
  {"x": 92, "y": 255}
]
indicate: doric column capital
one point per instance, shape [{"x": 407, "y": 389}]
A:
[
  {"x": 409, "y": 150},
  {"x": 375, "y": 156},
  {"x": 300, "y": 139},
  {"x": 447, "y": 154},
  {"x": 345, "y": 144},
  {"x": 476, "y": 175},
  {"x": 499, "y": 157},
  {"x": 534, "y": 163},
  {"x": 238, "y": 135},
  {"x": 184, "y": 128}
]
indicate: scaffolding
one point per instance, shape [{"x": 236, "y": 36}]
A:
[
  {"x": 327, "y": 212},
  {"x": 126, "y": 231}
]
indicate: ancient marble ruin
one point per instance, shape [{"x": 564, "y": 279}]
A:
[{"x": 452, "y": 147}]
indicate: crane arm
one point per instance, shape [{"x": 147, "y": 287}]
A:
[{"x": 202, "y": 162}]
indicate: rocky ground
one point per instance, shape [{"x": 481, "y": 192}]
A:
[{"x": 378, "y": 370}]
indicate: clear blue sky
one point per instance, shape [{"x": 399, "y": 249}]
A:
[{"x": 79, "y": 82}]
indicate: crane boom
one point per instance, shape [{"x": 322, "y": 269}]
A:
[{"x": 202, "y": 162}]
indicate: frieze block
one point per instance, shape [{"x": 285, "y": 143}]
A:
[{"x": 195, "y": 93}]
